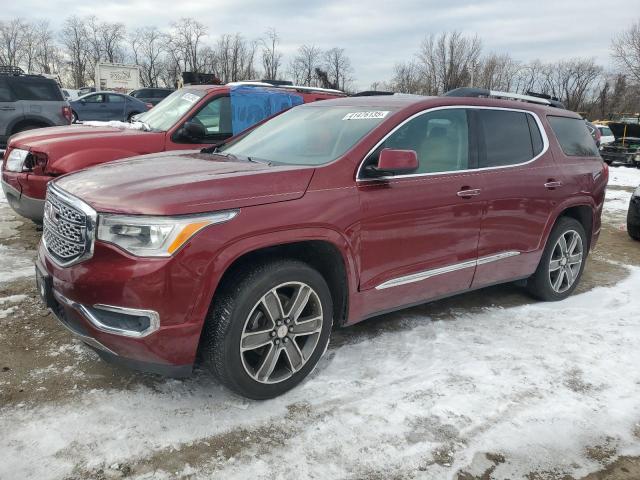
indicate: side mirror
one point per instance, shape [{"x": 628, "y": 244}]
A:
[
  {"x": 194, "y": 132},
  {"x": 394, "y": 162}
]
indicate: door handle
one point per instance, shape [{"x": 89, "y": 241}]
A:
[
  {"x": 552, "y": 184},
  {"x": 469, "y": 192}
]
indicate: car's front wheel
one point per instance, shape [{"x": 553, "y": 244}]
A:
[
  {"x": 268, "y": 328},
  {"x": 562, "y": 262}
]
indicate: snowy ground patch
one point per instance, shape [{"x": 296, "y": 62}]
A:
[
  {"x": 539, "y": 383},
  {"x": 624, "y": 176}
]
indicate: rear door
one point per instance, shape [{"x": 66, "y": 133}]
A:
[
  {"x": 10, "y": 110},
  {"x": 521, "y": 185},
  {"x": 419, "y": 232},
  {"x": 116, "y": 106}
]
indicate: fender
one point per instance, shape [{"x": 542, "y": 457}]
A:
[
  {"x": 235, "y": 249},
  {"x": 576, "y": 201},
  {"x": 81, "y": 159}
]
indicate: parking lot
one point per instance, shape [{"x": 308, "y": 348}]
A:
[{"x": 485, "y": 385}]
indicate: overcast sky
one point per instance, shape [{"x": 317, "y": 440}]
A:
[{"x": 375, "y": 34}]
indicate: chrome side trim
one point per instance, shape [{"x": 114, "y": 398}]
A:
[
  {"x": 543, "y": 133},
  {"x": 154, "y": 318},
  {"x": 417, "y": 277}
]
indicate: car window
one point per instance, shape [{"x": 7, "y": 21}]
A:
[
  {"x": 215, "y": 116},
  {"x": 573, "y": 136},
  {"x": 5, "y": 91},
  {"x": 35, "y": 89},
  {"x": 309, "y": 134},
  {"x": 98, "y": 98},
  {"x": 440, "y": 138},
  {"x": 507, "y": 138},
  {"x": 605, "y": 131},
  {"x": 116, "y": 99}
]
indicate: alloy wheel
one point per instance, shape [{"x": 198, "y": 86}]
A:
[
  {"x": 566, "y": 261},
  {"x": 281, "y": 332}
]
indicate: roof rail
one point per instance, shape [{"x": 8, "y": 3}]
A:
[
  {"x": 255, "y": 83},
  {"x": 372, "y": 93},
  {"x": 10, "y": 70},
  {"x": 485, "y": 92}
]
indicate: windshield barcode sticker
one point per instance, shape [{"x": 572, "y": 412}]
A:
[
  {"x": 365, "y": 115},
  {"x": 190, "y": 97}
]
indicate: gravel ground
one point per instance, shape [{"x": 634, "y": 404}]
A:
[{"x": 487, "y": 385}]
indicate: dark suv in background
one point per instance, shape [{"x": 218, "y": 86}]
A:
[
  {"x": 28, "y": 102},
  {"x": 151, "y": 95}
]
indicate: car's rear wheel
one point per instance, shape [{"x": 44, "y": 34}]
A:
[
  {"x": 562, "y": 262},
  {"x": 131, "y": 115},
  {"x": 74, "y": 117},
  {"x": 268, "y": 328}
]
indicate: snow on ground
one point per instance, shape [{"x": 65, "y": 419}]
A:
[
  {"x": 624, "y": 176},
  {"x": 538, "y": 383},
  {"x": 15, "y": 262}
]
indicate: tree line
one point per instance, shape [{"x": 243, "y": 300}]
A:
[
  {"x": 442, "y": 61},
  {"x": 162, "y": 55}
]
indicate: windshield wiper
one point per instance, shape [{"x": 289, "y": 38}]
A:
[{"x": 213, "y": 148}]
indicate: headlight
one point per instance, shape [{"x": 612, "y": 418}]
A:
[
  {"x": 16, "y": 159},
  {"x": 147, "y": 236}
]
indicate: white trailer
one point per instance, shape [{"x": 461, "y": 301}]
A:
[{"x": 117, "y": 77}]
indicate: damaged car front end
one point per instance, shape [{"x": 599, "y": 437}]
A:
[{"x": 626, "y": 147}]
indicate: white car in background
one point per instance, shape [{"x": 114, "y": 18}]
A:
[
  {"x": 607, "y": 134},
  {"x": 70, "y": 94}
]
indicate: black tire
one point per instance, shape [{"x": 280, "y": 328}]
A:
[
  {"x": 131, "y": 115},
  {"x": 539, "y": 284},
  {"x": 633, "y": 228},
  {"x": 74, "y": 117},
  {"x": 27, "y": 126},
  {"x": 232, "y": 307}
]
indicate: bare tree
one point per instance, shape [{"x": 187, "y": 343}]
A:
[
  {"x": 408, "y": 78},
  {"x": 304, "y": 64},
  {"x": 74, "y": 36},
  {"x": 235, "y": 58},
  {"x": 12, "y": 41},
  {"x": 448, "y": 60},
  {"x": 48, "y": 55},
  {"x": 338, "y": 68},
  {"x": 271, "y": 58},
  {"x": 496, "y": 72},
  {"x": 187, "y": 35},
  {"x": 573, "y": 81},
  {"x": 148, "y": 47},
  {"x": 626, "y": 51}
]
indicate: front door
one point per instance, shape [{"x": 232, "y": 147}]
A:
[{"x": 419, "y": 232}]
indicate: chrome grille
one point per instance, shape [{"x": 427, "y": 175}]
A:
[{"x": 67, "y": 228}]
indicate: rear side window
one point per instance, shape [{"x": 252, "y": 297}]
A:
[
  {"x": 5, "y": 92},
  {"x": 35, "y": 89},
  {"x": 509, "y": 138},
  {"x": 573, "y": 136},
  {"x": 116, "y": 99}
]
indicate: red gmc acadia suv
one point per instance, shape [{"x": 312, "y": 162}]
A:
[{"x": 328, "y": 214}]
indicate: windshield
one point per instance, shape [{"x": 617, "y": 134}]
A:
[
  {"x": 165, "y": 115},
  {"x": 308, "y": 135}
]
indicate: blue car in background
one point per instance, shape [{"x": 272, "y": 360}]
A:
[{"x": 106, "y": 106}]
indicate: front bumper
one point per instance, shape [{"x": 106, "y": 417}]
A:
[
  {"x": 23, "y": 205},
  {"x": 156, "y": 288}
]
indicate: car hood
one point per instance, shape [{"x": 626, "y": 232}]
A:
[
  {"x": 618, "y": 129},
  {"x": 43, "y": 138},
  {"x": 183, "y": 183},
  {"x": 90, "y": 144}
]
